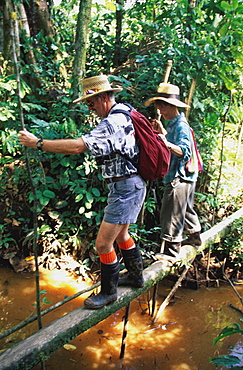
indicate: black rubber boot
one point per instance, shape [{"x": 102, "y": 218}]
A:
[
  {"x": 193, "y": 239},
  {"x": 108, "y": 292},
  {"x": 134, "y": 265}
]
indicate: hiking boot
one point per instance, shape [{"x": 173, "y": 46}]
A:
[
  {"x": 108, "y": 292},
  {"x": 193, "y": 239},
  {"x": 170, "y": 253}
]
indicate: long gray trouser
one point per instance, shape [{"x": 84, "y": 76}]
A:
[{"x": 177, "y": 214}]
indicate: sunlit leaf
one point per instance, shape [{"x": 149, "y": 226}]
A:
[
  {"x": 69, "y": 347},
  {"x": 44, "y": 229},
  {"x": 89, "y": 214},
  {"x": 235, "y": 4},
  {"x": 223, "y": 30},
  {"x": 225, "y": 5},
  {"x": 79, "y": 197},
  {"x": 81, "y": 210},
  {"x": 88, "y": 205},
  {"x": 61, "y": 204}
]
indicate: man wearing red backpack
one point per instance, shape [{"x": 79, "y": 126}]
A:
[
  {"x": 111, "y": 142},
  {"x": 177, "y": 212}
]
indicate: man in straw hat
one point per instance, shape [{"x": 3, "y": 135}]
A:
[
  {"x": 111, "y": 143},
  {"x": 177, "y": 212}
]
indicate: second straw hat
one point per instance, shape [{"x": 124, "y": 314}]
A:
[{"x": 168, "y": 93}]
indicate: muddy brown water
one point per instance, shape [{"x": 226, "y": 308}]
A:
[{"x": 182, "y": 338}]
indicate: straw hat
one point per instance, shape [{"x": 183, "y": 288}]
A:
[
  {"x": 96, "y": 85},
  {"x": 168, "y": 93}
]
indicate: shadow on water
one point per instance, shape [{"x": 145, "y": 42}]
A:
[{"x": 182, "y": 338}]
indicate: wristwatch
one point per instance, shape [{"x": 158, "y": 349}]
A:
[{"x": 39, "y": 144}]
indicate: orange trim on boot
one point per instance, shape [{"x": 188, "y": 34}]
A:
[
  {"x": 127, "y": 244},
  {"x": 107, "y": 258}
]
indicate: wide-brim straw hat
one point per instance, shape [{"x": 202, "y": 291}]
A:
[
  {"x": 168, "y": 93},
  {"x": 96, "y": 85}
]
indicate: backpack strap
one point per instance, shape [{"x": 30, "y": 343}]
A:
[
  {"x": 128, "y": 114},
  {"x": 101, "y": 160}
]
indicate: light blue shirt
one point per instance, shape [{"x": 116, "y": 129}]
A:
[{"x": 178, "y": 133}]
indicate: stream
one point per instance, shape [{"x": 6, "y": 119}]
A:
[{"x": 181, "y": 339}]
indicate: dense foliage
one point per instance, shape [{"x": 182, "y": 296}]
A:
[{"x": 204, "y": 41}]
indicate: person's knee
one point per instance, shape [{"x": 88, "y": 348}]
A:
[
  {"x": 123, "y": 236},
  {"x": 102, "y": 248}
]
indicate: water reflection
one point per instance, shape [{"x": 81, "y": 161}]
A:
[{"x": 180, "y": 340}]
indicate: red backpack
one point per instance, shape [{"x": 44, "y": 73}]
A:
[{"x": 154, "y": 156}]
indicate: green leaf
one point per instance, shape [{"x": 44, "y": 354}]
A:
[
  {"x": 45, "y": 229},
  {"x": 88, "y": 205},
  {"x": 229, "y": 330},
  {"x": 200, "y": 63},
  {"x": 43, "y": 201},
  {"x": 89, "y": 197},
  {"x": 226, "y": 360},
  {"x": 223, "y": 30},
  {"x": 61, "y": 204},
  {"x": 239, "y": 10},
  {"x": 96, "y": 192},
  {"x": 54, "y": 215},
  {"x": 44, "y": 300},
  {"x": 65, "y": 161},
  {"x": 235, "y": 4},
  {"x": 226, "y": 6},
  {"x": 49, "y": 194},
  {"x": 79, "y": 197}
]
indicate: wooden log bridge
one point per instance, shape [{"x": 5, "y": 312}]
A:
[{"x": 41, "y": 345}]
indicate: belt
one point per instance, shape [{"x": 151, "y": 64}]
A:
[{"x": 116, "y": 179}]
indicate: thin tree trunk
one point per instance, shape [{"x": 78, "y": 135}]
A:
[
  {"x": 9, "y": 11},
  {"x": 117, "y": 48},
  {"x": 82, "y": 32},
  {"x": 30, "y": 57},
  {"x": 239, "y": 141}
]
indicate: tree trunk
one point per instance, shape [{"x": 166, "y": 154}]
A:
[
  {"x": 8, "y": 11},
  {"x": 30, "y": 57},
  {"x": 38, "y": 17},
  {"x": 117, "y": 49},
  {"x": 82, "y": 32},
  {"x": 239, "y": 141}
]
